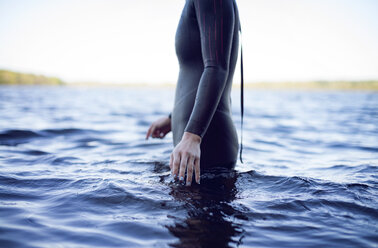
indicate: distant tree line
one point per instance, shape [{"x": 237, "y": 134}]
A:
[{"x": 17, "y": 78}]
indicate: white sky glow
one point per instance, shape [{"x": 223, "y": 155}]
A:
[{"x": 133, "y": 40}]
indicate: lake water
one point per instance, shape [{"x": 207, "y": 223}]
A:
[{"x": 75, "y": 171}]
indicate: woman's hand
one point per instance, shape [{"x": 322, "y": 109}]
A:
[
  {"x": 159, "y": 128},
  {"x": 186, "y": 157}
]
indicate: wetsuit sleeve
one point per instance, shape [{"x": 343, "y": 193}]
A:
[{"x": 216, "y": 21}]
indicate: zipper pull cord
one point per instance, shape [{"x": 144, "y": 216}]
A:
[{"x": 241, "y": 95}]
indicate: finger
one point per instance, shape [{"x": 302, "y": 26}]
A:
[
  {"x": 197, "y": 170},
  {"x": 183, "y": 164},
  {"x": 153, "y": 128},
  {"x": 176, "y": 164},
  {"x": 148, "y": 132},
  {"x": 189, "y": 171}
]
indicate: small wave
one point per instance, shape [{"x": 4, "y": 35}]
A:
[
  {"x": 19, "y": 182},
  {"x": 16, "y": 137},
  {"x": 273, "y": 143},
  {"x": 367, "y": 168},
  {"x": 66, "y": 131},
  {"x": 338, "y": 167},
  {"x": 357, "y": 185},
  {"x": 18, "y": 134},
  {"x": 143, "y": 123},
  {"x": 364, "y": 168},
  {"x": 28, "y": 152},
  {"x": 291, "y": 205},
  {"x": 350, "y": 207},
  {"x": 35, "y": 152},
  {"x": 90, "y": 141},
  {"x": 48, "y": 159},
  {"x": 15, "y": 195},
  {"x": 106, "y": 193},
  {"x": 286, "y": 185},
  {"x": 354, "y": 147},
  {"x": 66, "y": 160}
]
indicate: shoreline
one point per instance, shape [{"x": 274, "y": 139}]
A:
[
  {"x": 371, "y": 85},
  {"x": 13, "y": 78}
]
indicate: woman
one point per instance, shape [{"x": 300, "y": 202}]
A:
[{"x": 204, "y": 135}]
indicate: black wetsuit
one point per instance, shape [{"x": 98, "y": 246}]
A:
[{"x": 207, "y": 42}]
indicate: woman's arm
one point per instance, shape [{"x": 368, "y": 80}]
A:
[
  {"x": 159, "y": 128},
  {"x": 216, "y": 20}
]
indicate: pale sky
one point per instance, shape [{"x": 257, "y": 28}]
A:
[{"x": 133, "y": 40}]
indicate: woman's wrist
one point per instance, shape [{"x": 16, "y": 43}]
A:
[{"x": 192, "y": 137}]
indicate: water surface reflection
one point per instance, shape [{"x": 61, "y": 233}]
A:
[{"x": 209, "y": 212}]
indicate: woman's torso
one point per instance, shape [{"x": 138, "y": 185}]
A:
[{"x": 219, "y": 145}]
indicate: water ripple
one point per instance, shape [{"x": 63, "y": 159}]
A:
[{"x": 74, "y": 174}]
